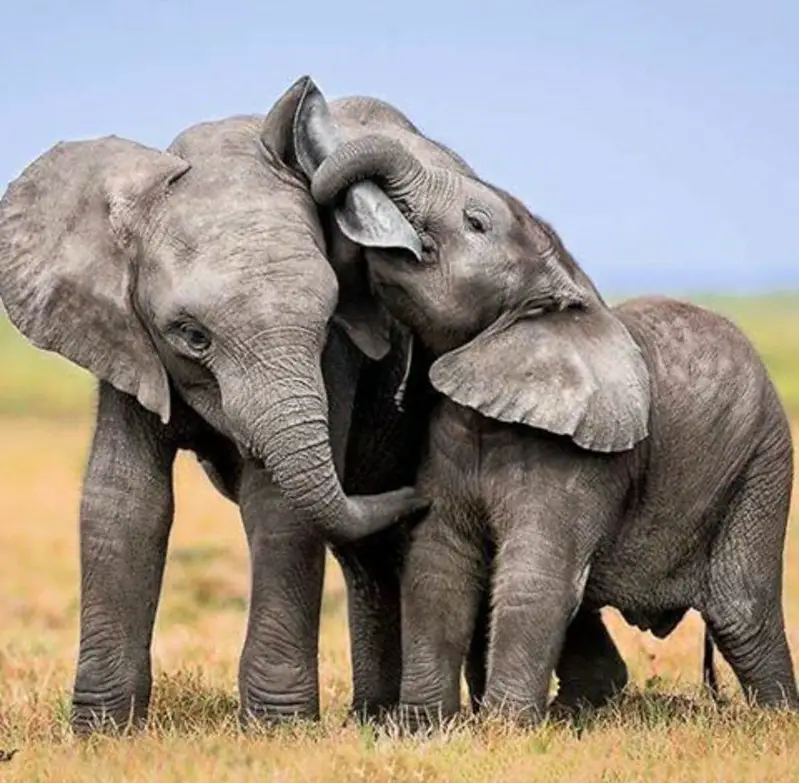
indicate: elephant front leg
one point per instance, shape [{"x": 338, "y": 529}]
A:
[
  {"x": 278, "y": 671},
  {"x": 533, "y": 596},
  {"x": 442, "y": 584},
  {"x": 372, "y": 575},
  {"x": 125, "y": 519}
]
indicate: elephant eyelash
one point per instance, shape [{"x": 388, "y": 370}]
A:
[
  {"x": 477, "y": 220},
  {"x": 429, "y": 247},
  {"x": 191, "y": 336}
]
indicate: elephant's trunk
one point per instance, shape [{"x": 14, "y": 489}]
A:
[
  {"x": 286, "y": 416},
  {"x": 375, "y": 157}
]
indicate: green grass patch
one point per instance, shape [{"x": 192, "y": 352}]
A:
[
  {"x": 41, "y": 384},
  {"x": 772, "y": 323}
]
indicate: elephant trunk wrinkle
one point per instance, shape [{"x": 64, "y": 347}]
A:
[
  {"x": 281, "y": 411},
  {"x": 281, "y": 415},
  {"x": 370, "y": 157}
]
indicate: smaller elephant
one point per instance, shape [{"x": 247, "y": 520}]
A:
[{"x": 636, "y": 457}]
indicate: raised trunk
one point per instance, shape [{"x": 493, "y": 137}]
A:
[
  {"x": 380, "y": 158},
  {"x": 286, "y": 416}
]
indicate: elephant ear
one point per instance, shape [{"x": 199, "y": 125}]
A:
[
  {"x": 278, "y": 125},
  {"x": 300, "y": 130},
  {"x": 68, "y": 243},
  {"x": 575, "y": 372}
]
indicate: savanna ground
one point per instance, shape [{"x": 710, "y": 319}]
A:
[{"x": 663, "y": 730}]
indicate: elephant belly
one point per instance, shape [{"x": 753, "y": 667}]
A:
[
  {"x": 649, "y": 586},
  {"x": 660, "y": 624}
]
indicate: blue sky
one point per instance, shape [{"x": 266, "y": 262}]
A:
[{"x": 660, "y": 139}]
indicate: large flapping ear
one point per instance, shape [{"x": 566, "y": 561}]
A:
[
  {"x": 68, "y": 240},
  {"x": 300, "y": 130},
  {"x": 575, "y": 372}
]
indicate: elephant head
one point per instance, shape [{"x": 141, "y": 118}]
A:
[
  {"x": 201, "y": 270},
  {"x": 520, "y": 332}
]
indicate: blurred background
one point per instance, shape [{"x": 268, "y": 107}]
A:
[{"x": 661, "y": 141}]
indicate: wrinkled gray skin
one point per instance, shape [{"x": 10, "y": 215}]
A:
[
  {"x": 194, "y": 285},
  {"x": 635, "y": 457}
]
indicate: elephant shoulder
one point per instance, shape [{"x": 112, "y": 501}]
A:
[
  {"x": 705, "y": 371},
  {"x": 687, "y": 337}
]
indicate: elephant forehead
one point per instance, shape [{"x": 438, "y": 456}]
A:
[
  {"x": 218, "y": 138},
  {"x": 223, "y": 254},
  {"x": 223, "y": 218},
  {"x": 218, "y": 271},
  {"x": 221, "y": 300},
  {"x": 228, "y": 165}
]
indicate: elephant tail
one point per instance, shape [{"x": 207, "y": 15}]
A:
[{"x": 708, "y": 668}]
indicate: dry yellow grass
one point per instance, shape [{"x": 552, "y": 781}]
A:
[
  {"x": 650, "y": 736},
  {"x": 663, "y": 731}
]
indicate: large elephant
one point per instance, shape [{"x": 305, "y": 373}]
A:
[
  {"x": 195, "y": 285},
  {"x": 637, "y": 456}
]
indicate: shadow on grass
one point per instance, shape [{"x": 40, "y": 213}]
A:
[
  {"x": 644, "y": 709},
  {"x": 649, "y": 710}
]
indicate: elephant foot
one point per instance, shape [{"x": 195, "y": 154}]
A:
[
  {"x": 572, "y": 704},
  {"x": 267, "y": 717},
  {"x": 372, "y": 712},
  {"x": 425, "y": 719},
  {"x": 522, "y": 714},
  {"x": 274, "y": 694},
  {"x": 257, "y": 712},
  {"x": 111, "y": 715},
  {"x": 113, "y": 699}
]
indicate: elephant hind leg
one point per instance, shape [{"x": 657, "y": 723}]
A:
[
  {"x": 590, "y": 669},
  {"x": 743, "y": 602},
  {"x": 371, "y": 570},
  {"x": 757, "y": 650}
]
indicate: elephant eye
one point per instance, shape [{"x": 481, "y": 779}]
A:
[
  {"x": 428, "y": 244},
  {"x": 193, "y": 336},
  {"x": 477, "y": 221}
]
